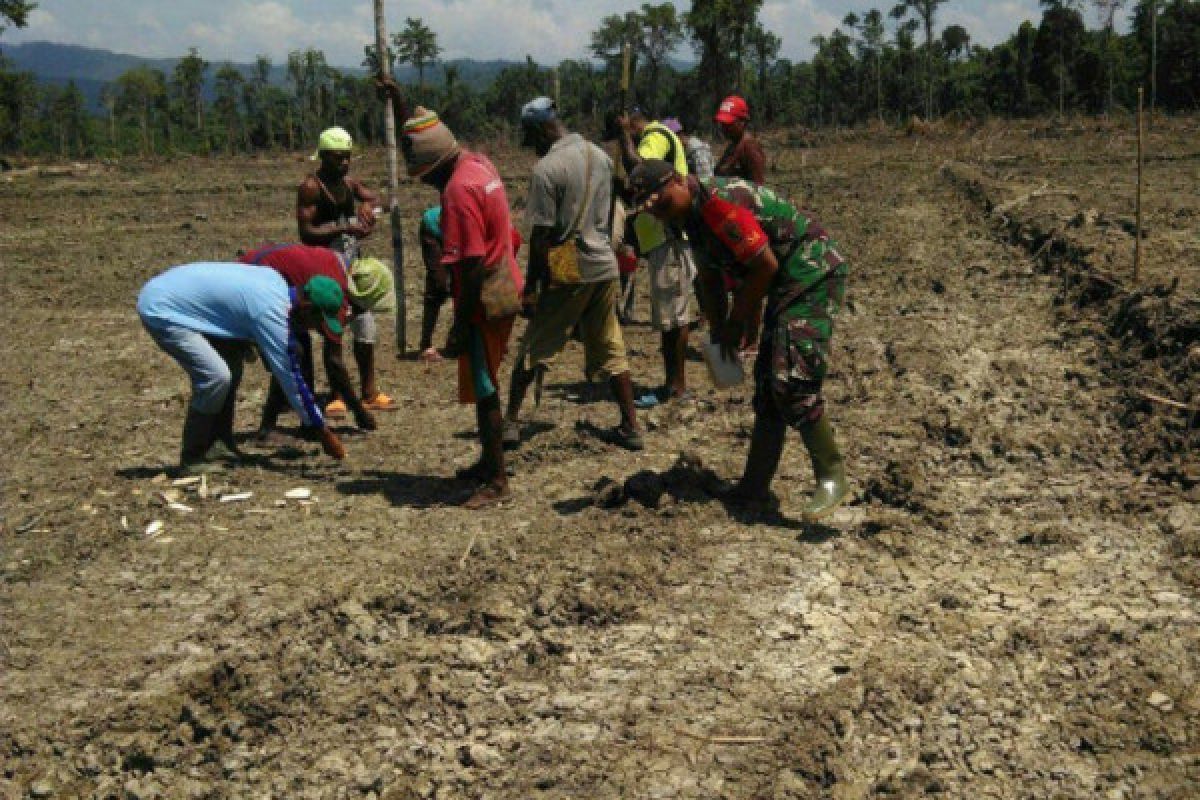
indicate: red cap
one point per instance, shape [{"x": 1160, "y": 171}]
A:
[{"x": 732, "y": 109}]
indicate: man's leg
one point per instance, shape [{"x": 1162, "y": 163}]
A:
[
  {"x": 558, "y": 311},
  {"x": 762, "y": 461},
  {"x": 829, "y": 470},
  {"x": 364, "y": 357},
  {"x": 491, "y": 428},
  {"x": 210, "y": 378},
  {"x": 674, "y": 352},
  {"x": 223, "y": 444}
]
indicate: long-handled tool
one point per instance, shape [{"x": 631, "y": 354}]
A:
[{"x": 389, "y": 121}]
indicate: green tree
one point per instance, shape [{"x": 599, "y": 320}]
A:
[
  {"x": 18, "y": 108},
  {"x": 417, "y": 45},
  {"x": 68, "y": 118},
  {"x": 15, "y": 12},
  {"x": 718, "y": 30},
  {"x": 662, "y": 32},
  {"x": 609, "y": 40},
  {"x": 259, "y": 121},
  {"x": 310, "y": 76},
  {"x": 141, "y": 97},
  {"x": 1107, "y": 9},
  {"x": 926, "y": 11},
  {"x": 230, "y": 86},
  {"x": 763, "y": 47},
  {"x": 1060, "y": 37},
  {"x": 187, "y": 87},
  {"x": 870, "y": 47}
]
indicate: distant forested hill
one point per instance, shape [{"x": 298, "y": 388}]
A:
[{"x": 92, "y": 68}]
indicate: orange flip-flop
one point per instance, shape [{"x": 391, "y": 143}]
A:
[
  {"x": 336, "y": 409},
  {"x": 380, "y": 402}
]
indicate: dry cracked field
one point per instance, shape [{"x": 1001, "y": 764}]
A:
[{"x": 1007, "y": 609}]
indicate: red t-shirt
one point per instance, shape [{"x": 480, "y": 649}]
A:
[
  {"x": 475, "y": 220},
  {"x": 300, "y": 263}
]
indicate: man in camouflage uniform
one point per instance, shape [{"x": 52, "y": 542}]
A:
[{"x": 774, "y": 250}]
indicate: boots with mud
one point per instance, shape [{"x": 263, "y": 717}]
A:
[{"x": 828, "y": 470}]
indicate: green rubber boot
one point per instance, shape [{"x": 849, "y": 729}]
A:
[{"x": 828, "y": 469}]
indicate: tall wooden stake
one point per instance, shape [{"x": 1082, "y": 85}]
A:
[
  {"x": 1137, "y": 250},
  {"x": 389, "y": 122},
  {"x": 626, "y": 59}
]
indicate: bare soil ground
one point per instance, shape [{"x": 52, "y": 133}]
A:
[{"x": 1008, "y": 608}]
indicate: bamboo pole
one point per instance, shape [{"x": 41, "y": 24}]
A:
[
  {"x": 389, "y": 121},
  {"x": 1137, "y": 250},
  {"x": 626, "y": 58}
]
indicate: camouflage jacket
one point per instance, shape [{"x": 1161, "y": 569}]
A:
[{"x": 733, "y": 220}]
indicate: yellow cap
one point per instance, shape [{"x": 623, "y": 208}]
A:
[{"x": 336, "y": 140}]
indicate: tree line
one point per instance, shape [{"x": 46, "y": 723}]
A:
[{"x": 886, "y": 65}]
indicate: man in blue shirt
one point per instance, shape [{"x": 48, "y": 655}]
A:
[{"x": 205, "y": 314}]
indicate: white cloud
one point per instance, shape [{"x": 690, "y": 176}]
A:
[{"x": 549, "y": 30}]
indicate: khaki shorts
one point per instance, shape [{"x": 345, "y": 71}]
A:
[
  {"x": 594, "y": 307},
  {"x": 672, "y": 271}
]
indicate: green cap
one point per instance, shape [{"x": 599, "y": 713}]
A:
[
  {"x": 371, "y": 285},
  {"x": 326, "y": 295},
  {"x": 334, "y": 139}
]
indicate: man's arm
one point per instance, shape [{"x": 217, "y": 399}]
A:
[
  {"x": 307, "y": 198},
  {"x": 278, "y": 347},
  {"x": 538, "y": 270},
  {"x": 470, "y": 303},
  {"x": 760, "y": 271},
  {"x": 386, "y": 86},
  {"x": 367, "y": 200}
]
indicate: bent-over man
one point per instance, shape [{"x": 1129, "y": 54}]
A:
[{"x": 782, "y": 253}]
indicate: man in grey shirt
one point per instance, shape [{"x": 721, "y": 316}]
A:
[{"x": 570, "y": 197}]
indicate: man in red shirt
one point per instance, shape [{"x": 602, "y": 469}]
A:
[
  {"x": 743, "y": 156},
  {"x": 299, "y": 263},
  {"x": 477, "y": 249}
]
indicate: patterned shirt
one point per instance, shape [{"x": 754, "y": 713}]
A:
[{"x": 734, "y": 220}]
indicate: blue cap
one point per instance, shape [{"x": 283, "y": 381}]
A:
[{"x": 538, "y": 110}]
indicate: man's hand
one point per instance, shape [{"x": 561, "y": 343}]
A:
[
  {"x": 365, "y": 420},
  {"x": 730, "y": 338},
  {"x": 366, "y": 215},
  {"x": 332, "y": 445},
  {"x": 385, "y": 86},
  {"x": 358, "y": 229}
]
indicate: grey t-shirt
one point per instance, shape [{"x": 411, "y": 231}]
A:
[{"x": 557, "y": 193}]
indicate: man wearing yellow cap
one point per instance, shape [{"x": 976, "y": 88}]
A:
[{"x": 334, "y": 210}]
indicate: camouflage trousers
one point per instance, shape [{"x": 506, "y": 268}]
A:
[{"x": 793, "y": 354}]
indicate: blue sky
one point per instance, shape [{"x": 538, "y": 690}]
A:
[{"x": 549, "y": 30}]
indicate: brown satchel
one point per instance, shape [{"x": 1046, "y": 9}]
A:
[
  {"x": 499, "y": 293},
  {"x": 563, "y": 259}
]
